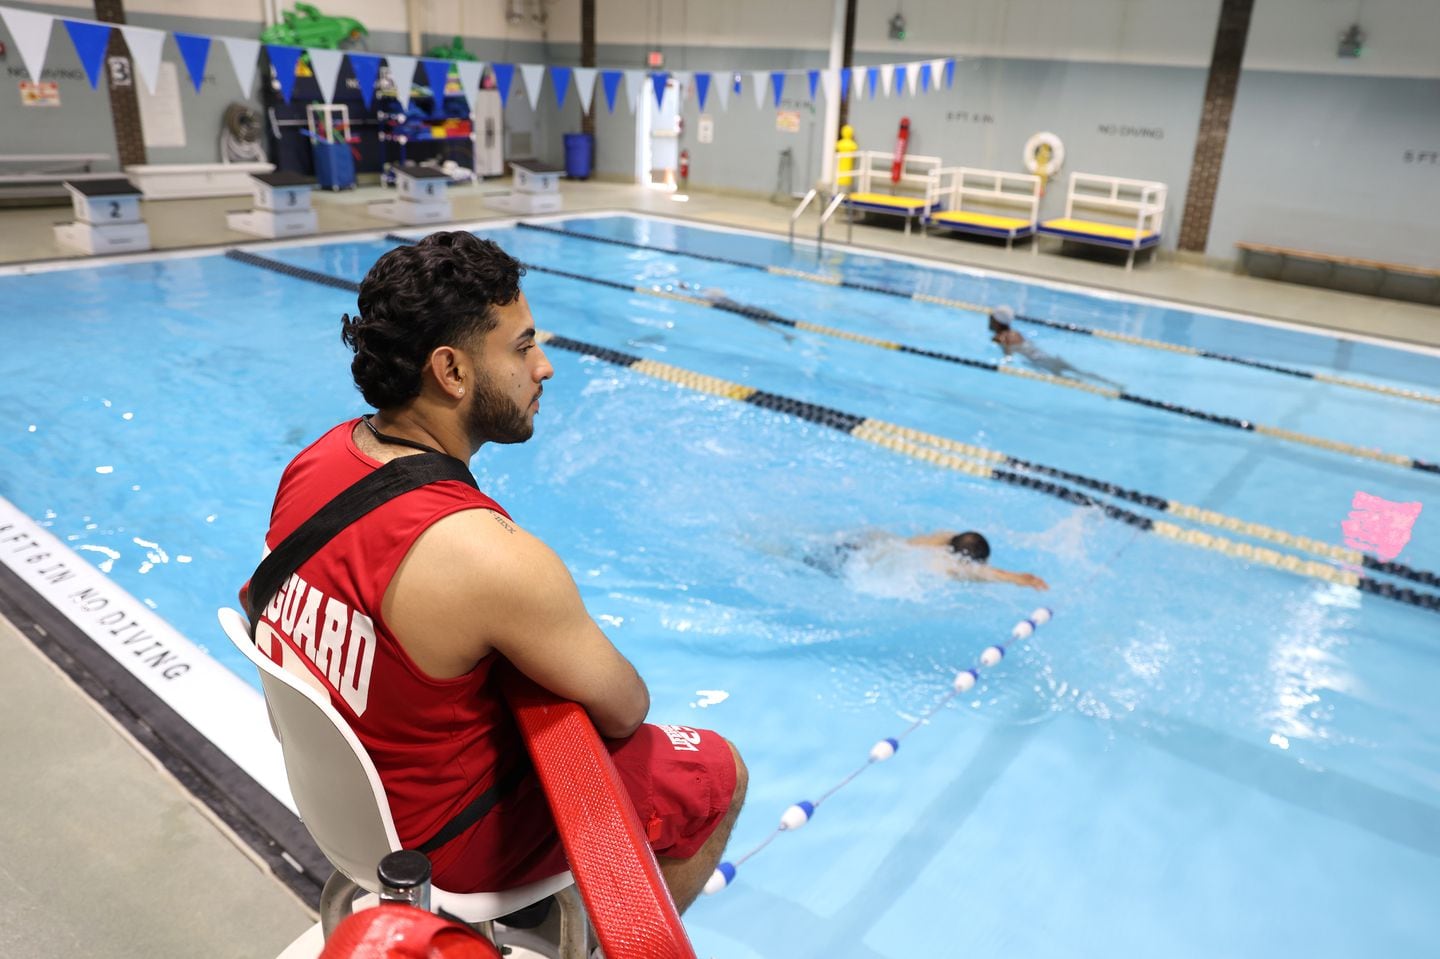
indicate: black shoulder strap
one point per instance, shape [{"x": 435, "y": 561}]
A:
[{"x": 399, "y": 476}]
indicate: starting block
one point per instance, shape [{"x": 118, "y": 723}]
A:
[
  {"x": 282, "y": 207},
  {"x": 534, "y": 189},
  {"x": 107, "y": 217},
  {"x": 422, "y": 196}
]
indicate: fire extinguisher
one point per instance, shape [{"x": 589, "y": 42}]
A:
[
  {"x": 685, "y": 168},
  {"x": 901, "y": 143}
]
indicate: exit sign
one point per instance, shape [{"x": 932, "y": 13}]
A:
[{"x": 655, "y": 59}]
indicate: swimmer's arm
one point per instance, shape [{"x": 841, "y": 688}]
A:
[
  {"x": 980, "y": 573},
  {"x": 524, "y": 604}
]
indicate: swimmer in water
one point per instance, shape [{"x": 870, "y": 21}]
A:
[
  {"x": 1012, "y": 343},
  {"x": 718, "y": 299},
  {"x": 960, "y": 556}
]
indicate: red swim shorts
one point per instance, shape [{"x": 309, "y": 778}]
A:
[{"x": 680, "y": 779}]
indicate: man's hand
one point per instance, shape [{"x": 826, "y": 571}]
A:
[{"x": 1034, "y": 582}]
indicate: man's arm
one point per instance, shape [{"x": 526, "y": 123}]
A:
[
  {"x": 981, "y": 573},
  {"x": 475, "y": 582}
]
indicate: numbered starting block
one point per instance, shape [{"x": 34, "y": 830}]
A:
[
  {"x": 422, "y": 196},
  {"x": 535, "y": 188},
  {"x": 107, "y": 218},
  {"x": 282, "y": 207}
]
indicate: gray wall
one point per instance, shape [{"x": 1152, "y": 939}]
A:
[{"x": 1319, "y": 162}]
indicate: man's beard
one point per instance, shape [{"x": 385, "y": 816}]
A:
[{"x": 494, "y": 417}]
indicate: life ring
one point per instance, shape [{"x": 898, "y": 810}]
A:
[{"x": 1032, "y": 150}]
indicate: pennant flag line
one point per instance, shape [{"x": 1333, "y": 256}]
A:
[
  {"x": 949, "y": 74},
  {"x": 757, "y": 82},
  {"x": 244, "y": 58},
  {"x": 814, "y": 79},
  {"x": 658, "y": 81},
  {"x": 146, "y": 46},
  {"x": 283, "y": 61},
  {"x": 900, "y": 75},
  {"x": 437, "y": 75},
  {"x": 534, "y": 76},
  {"x": 610, "y": 82},
  {"x": 871, "y": 76},
  {"x": 911, "y": 76},
  {"x": 777, "y": 79},
  {"x": 887, "y": 76},
  {"x": 722, "y": 91},
  {"x": 504, "y": 76},
  {"x": 924, "y": 78},
  {"x": 366, "y": 67},
  {"x": 585, "y": 87},
  {"x": 402, "y": 74},
  {"x": 634, "y": 80},
  {"x": 702, "y": 88},
  {"x": 195, "y": 50},
  {"x": 831, "y": 81},
  {"x": 31, "y": 33},
  {"x": 560, "y": 80},
  {"x": 470, "y": 73},
  {"x": 90, "y": 40},
  {"x": 325, "y": 64}
]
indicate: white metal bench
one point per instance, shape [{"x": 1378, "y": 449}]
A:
[
  {"x": 987, "y": 202},
  {"x": 913, "y": 196},
  {"x": 1133, "y": 212}
]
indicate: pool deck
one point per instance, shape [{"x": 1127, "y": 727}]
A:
[
  {"x": 26, "y": 235},
  {"x": 115, "y": 857}
]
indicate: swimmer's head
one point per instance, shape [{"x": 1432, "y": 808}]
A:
[
  {"x": 970, "y": 546},
  {"x": 1000, "y": 319}
]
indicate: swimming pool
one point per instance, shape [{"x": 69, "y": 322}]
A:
[{"x": 1198, "y": 756}]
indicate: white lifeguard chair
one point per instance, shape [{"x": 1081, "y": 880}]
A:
[
  {"x": 107, "y": 217},
  {"x": 282, "y": 207},
  {"x": 422, "y": 196},
  {"x": 534, "y": 188}
]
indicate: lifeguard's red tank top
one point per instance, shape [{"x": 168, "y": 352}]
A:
[{"x": 436, "y": 743}]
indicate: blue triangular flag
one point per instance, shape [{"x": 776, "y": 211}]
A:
[
  {"x": 659, "y": 80},
  {"x": 560, "y": 80},
  {"x": 777, "y": 81},
  {"x": 949, "y": 74},
  {"x": 437, "y": 72},
  {"x": 899, "y": 79},
  {"x": 194, "y": 50},
  {"x": 814, "y": 79},
  {"x": 90, "y": 41},
  {"x": 702, "y": 88},
  {"x": 610, "y": 80},
  {"x": 504, "y": 76},
  {"x": 844, "y": 84},
  {"x": 872, "y": 77},
  {"x": 924, "y": 78},
  {"x": 366, "y": 67},
  {"x": 283, "y": 60}
]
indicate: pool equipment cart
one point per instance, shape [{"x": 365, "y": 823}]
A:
[
  {"x": 107, "y": 218},
  {"x": 282, "y": 207},
  {"x": 328, "y": 128}
]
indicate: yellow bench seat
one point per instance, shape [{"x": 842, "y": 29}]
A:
[
  {"x": 900, "y": 204},
  {"x": 986, "y": 222},
  {"x": 1108, "y": 234}
]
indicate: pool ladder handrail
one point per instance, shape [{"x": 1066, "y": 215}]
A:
[{"x": 831, "y": 206}]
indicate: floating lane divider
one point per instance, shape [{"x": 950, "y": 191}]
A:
[
  {"x": 1232, "y": 422},
  {"x": 801, "y": 812},
  {"x": 830, "y": 280},
  {"x": 894, "y": 437}
]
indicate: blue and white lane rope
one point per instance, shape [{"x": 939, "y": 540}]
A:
[{"x": 800, "y": 813}]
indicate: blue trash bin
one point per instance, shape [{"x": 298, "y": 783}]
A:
[{"x": 579, "y": 149}]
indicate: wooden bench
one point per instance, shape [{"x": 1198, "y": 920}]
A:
[{"x": 1424, "y": 282}]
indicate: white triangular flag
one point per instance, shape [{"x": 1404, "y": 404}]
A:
[
  {"x": 146, "y": 46},
  {"x": 585, "y": 86},
  {"x": 470, "y": 73},
  {"x": 31, "y": 33},
  {"x": 244, "y": 58},
  {"x": 912, "y": 77},
  {"x": 721, "y": 85},
  {"x": 533, "y": 74},
  {"x": 684, "y": 82},
  {"x": 402, "y": 74},
  {"x": 634, "y": 82},
  {"x": 759, "y": 79},
  {"x": 887, "y": 77},
  {"x": 325, "y": 64},
  {"x": 857, "y": 83},
  {"x": 830, "y": 83},
  {"x": 937, "y": 74}
]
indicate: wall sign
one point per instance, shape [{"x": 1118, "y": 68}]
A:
[
  {"x": 787, "y": 121},
  {"x": 705, "y": 129},
  {"x": 46, "y": 93},
  {"x": 121, "y": 73},
  {"x": 1427, "y": 157},
  {"x": 1129, "y": 131},
  {"x": 968, "y": 116}
]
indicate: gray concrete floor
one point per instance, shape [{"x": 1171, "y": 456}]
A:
[{"x": 106, "y": 855}]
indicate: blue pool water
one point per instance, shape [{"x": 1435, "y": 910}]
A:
[{"x": 1195, "y": 758}]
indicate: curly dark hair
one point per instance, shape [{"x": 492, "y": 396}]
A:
[{"x": 441, "y": 291}]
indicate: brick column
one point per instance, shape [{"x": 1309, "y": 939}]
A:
[
  {"x": 1225, "y": 63},
  {"x": 124, "y": 105},
  {"x": 587, "y": 59}
]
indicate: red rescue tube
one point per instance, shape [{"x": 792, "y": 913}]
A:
[
  {"x": 619, "y": 880},
  {"x": 902, "y": 142}
]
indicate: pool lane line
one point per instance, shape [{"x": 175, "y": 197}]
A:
[
  {"x": 1231, "y": 422},
  {"x": 829, "y": 280},
  {"x": 894, "y": 437}
]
